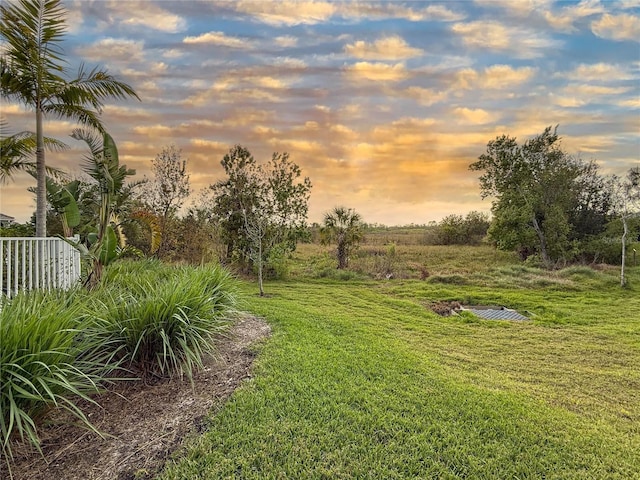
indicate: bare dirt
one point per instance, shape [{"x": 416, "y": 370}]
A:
[{"x": 142, "y": 424}]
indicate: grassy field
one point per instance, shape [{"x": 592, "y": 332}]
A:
[{"x": 361, "y": 380}]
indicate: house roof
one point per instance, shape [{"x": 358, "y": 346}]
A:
[{"x": 4, "y": 217}]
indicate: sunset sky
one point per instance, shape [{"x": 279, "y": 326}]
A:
[{"x": 382, "y": 104}]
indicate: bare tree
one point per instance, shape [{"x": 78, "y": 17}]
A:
[
  {"x": 168, "y": 189},
  {"x": 627, "y": 204}
]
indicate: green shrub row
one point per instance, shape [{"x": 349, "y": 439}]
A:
[{"x": 146, "y": 319}]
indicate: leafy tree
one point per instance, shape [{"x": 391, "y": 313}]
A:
[
  {"x": 538, "y": 189},
  {"x": 167, "y": 191},
  {"x": 459, "y": 230},
  {"x": 32, "y": 71},
  {"x": 231, "y": 194},
  {"x": 343, "y": 226},
  {"x": 273, "y": 194}
]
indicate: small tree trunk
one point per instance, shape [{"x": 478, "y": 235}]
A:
[
  {"x": 543, "y": 243},
  {"x": 624, "y": 249},
  {"x": 260, "y": 269}
]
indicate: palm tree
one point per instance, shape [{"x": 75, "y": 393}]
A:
[
  {"x": 32, "y": 71},
  {"x": 16, "y": 151},
  {"x": 343, "y": 226}
]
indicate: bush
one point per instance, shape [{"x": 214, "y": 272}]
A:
[
  {"x": 46, "y": 359},
  {"x": 165, "y": 325}
]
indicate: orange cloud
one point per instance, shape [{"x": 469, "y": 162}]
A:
[
  {"x": 617, "y": 27},
  {"x": 286, "y": 12},
  {"x": 475, "y": 116},
  {"x": 387, "y": 48},
  {"x": 376, "y": 72}
]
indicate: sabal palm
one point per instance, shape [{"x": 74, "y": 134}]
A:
[
  {"x": 32, "y": 71},
  {"x": 343, "y": 226}
]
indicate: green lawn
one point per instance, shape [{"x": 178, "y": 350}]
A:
[{"x": 360, "y": 380}]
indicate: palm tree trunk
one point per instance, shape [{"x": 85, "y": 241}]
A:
[{"x": 41, "y": 179}]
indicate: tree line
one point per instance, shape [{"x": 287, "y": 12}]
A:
[
  {"x": 549, "y": 206},
  {"x": 555, "y": 207}
]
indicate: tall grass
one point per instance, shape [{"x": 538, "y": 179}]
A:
[
  {"x": 46, "y": 361},
  {"x": 164, "y": 322},
  {"x": 57, "y": 348}
]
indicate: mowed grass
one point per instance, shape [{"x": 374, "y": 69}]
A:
[{"x": 361, "y": 380}]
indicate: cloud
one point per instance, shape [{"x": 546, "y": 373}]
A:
[
  {"x": 590, "y": 91},
  {"x": 156, "y": 131},
  {"x": 601, "y": 72},
  {"x": 287, "y": 12},
  {"x": 218, "y": 38},
  {"x": 208, "y": 144},
  {"x": 376, "y": 71},
  {"x": 115, "y": 50},
  {"x": 387, "y": 48},
  {"x": 617, "y": 27},
  {"x": 564, "y": 19},
  {"x": 143, "y": 13},
  {"x": 397, "y": 10},
  {"x": 493, "y": 77},
  {"x": 311, "y": 12},
  {"x": 286, "y": 41},
  {"x": 630, "y": 103},
  {"x": 475, "y": 116},
  {"x": 521, "y": 41},
  {"x": 426, "y": 96}
]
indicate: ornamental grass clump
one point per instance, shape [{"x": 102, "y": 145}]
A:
[
  {"x": 47, "y": 360},
  {"x": 162, "y": 328}
]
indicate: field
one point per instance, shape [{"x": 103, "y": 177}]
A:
[{"x": 361, "y": 379}]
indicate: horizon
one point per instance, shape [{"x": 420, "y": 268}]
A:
[{"x": 383, "y": 105}]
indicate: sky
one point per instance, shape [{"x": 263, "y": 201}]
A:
[{"x": 383, "y": 105}]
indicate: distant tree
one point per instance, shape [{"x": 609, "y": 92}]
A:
[
  {"x": 537, "y": 189},
  {"x": 32, "y": 72},
  {"x": 343, "y": 226},
  {"x": 626, "y": 204},
  {"x": 260, "y": 206},
  {"x": 197, "y": 238},
  {"x": 230, "y": 195},
  {"x": 278, "y": 212},
  {"x": 459, "y": 230},
  {"x": 167, "y": 191},
  {"x": 18, "y": 230}
]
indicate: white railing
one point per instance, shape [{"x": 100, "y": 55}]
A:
[{"x": 28, "y": 263}]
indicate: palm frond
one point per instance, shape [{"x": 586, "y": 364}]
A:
[
  {"x": 94, "y": 86},
  {"x": 16, "y": 151},
  {"x": 79, "y": 113}
]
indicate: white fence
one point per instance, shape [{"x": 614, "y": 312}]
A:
[{"x": 28, "y": 263}]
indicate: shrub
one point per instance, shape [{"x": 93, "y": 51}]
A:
[
  {"x": 166, "y": 325},
  {"x": 46, "y": 359}
]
